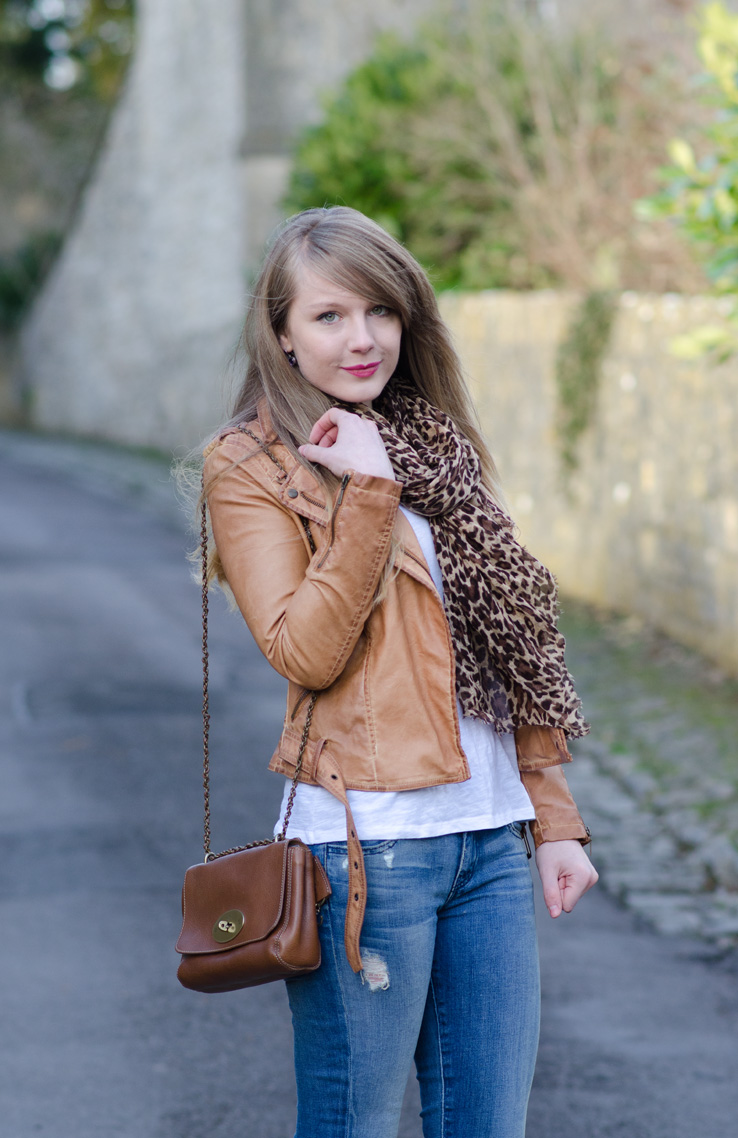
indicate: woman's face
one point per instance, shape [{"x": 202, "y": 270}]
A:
[{"x": 345, "y": 344}]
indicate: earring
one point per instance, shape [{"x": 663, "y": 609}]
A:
[{"x": 291, "y": 359}]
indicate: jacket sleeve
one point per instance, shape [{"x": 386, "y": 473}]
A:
[
  {"x": 541, "y": 751},
  {"x": 306, "y": 615},
  {"x": 557, "y": 817}
]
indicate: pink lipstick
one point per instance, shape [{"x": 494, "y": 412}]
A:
[{"x": 363, "y": 371}]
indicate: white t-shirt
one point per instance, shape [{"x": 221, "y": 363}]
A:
[{"x": 493, "y": 796}]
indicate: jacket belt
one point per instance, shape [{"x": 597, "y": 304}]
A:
[{"x": 328, "y": 775}]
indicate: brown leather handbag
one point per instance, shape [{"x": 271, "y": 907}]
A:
[{"x": 249, "y": 914}]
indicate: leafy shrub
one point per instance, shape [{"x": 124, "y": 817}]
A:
[
  {"x": 504, "y": 151},
  {"x": 700, "y": 194}
]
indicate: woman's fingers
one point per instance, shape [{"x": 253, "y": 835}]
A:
[
  {"x": 328, "y": 424},
  {"x": 342, "y": 441},
  {"x": 324, "y": 456},
  {"x": 328, "y": 438},
  {"x": 566, "y": 874}
]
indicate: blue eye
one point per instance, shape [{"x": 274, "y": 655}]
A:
[{"x": 328, "y": 317}]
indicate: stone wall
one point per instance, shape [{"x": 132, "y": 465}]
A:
[
  {"x": 132, "y": 330},
  {"x": 649, "y": 524}
]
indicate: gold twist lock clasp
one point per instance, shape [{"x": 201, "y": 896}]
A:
[{"x": 228, "y": 926}]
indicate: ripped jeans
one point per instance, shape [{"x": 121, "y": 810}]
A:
[{"x": 450, "y": 978}]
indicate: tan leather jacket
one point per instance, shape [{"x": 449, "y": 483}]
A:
[{"x": 386, "y": 715}]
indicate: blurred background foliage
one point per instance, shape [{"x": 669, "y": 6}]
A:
[
  {"x": 700, "y": 186},
  {"x": 68, "y": 43},
  {"x": 61, "y": 66},
  {"x": 508, "y": 150}
]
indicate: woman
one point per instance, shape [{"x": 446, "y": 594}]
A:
[{"x": 354, "y": 518}]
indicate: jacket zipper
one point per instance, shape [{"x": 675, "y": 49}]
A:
[
  {"x": 417, "y": 560},
  {"x": 300, "y": 700},
  {"x": 339, "y": 499},
  {"x": 312, "y": 501}
]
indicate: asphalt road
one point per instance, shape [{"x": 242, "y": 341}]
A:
[{"x": 99, "y": 689}]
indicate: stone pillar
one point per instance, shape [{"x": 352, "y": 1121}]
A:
[{"x": 132, "y": 331}]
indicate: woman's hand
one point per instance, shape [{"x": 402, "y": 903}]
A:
[
  {"x": 566, "y": 874},
  {"x": 341, "y": 441}
]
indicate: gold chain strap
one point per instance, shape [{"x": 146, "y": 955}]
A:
[{"x": 209, "y": 855}]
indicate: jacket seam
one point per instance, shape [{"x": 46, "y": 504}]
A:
[{"x": 280, "y": 766}]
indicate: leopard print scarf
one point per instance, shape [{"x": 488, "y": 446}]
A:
[{"x": 500, "y": 601}]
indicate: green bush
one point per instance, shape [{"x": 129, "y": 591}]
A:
[
  {"x": 356, "y": 155},
  {"x": 503, "y": 151},
  {"x": 700, "y": 194}
]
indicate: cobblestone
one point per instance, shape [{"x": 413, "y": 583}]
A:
[{"x": 657, "y": 781}]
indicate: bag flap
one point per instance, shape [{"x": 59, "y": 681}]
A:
[{"x": 250, "y": 883}]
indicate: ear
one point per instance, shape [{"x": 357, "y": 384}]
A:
[{"x": 285, "y": 342}]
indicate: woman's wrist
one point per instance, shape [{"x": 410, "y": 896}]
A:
[{"x": 576, "y": 832}]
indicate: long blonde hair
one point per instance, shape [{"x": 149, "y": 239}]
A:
[{"x": 354, "y": 252}]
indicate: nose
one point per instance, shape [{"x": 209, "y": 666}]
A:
[{"x": 360, "y": 335}]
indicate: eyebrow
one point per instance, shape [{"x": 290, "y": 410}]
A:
[{"x": 322, "y": 305}]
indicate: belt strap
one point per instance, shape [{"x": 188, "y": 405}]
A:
[{"x": 328, "y": 775}]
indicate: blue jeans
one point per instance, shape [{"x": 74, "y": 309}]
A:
[{"x": 450, "y": 977}]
